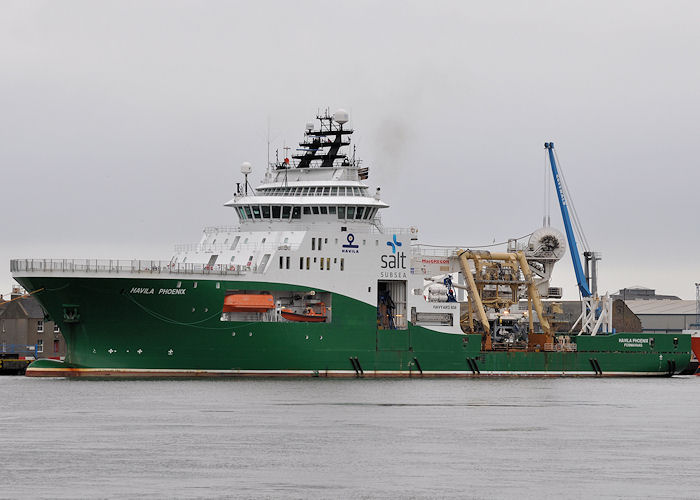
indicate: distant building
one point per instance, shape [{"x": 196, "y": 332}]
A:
[
  {"x": 664, "y": 316},
  {"x": 641, "y": 293},
  {"x": 25, "y": 330}
]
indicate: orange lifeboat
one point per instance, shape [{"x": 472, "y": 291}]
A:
[
  {"x": 308, "y": 316},
  {"x": 248, "y": 303}
]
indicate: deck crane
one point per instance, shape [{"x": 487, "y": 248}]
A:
[{"x": 596, "y": 311}]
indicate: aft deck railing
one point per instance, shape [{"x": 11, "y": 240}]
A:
[{"x": 123, "y": 267}]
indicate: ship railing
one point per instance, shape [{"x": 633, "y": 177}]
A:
[
  {"x": 221, "y": 229},
  {"x": 123, "y": 266},
  {"x": 422, "y": 250},
  {"x": 394, "y": 230},
  {"x": 246, "y": 247}
]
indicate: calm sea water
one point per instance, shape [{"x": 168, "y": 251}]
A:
[{"x": 315, "y": 438}]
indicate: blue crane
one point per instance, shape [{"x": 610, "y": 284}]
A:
[{"x": 573, "y": 247}]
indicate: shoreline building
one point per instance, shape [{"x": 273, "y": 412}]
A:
[{"x": 26, "y": 331}]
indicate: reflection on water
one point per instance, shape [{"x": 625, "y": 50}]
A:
[{"x": 350, "y": 438}]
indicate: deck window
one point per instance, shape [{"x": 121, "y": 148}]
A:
[{"x": 334, "y": 191}]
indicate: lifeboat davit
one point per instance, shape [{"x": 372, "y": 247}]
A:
[
  {"x": 308, "y": 316},
  {"x": 248, "y": 303}
]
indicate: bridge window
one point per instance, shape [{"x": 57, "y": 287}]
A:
[
  {"x": 341, "y": 212},
  {"x": 276, "y": 210},
  {"x": 360, "y": 211},
  {"x": 286, "y": 210},
  {"x": 307, "y": 210},
  {"x": 256, "y": 211},
  {"x": 296, "y": 212},
  {"x": 334, "y": 191},
  {"x": 351, "y": 212},
  {"x": 331, "y": 210},
  {"x": 315, "y": 210},
  {"x": 324, "y": 210},
  {"x": 248, "y": 212},
  {"x": 266, "y": 212}
]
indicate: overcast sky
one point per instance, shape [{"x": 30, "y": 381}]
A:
[{"x": 123, "y": 124}]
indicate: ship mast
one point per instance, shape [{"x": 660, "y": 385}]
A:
[{"x": 331, "y": 135}]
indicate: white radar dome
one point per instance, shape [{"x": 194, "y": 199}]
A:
[
  {"x": 246, "y": 168},
  {"x": 548, "y": 242},
  {"x": 309, "y": 126},
  {"x": 341, "y": 116}
]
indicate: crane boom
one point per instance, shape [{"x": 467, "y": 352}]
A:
[{"x": 573, "y": 247}]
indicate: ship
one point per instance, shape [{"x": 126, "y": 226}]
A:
[{"x": 308, "y": 282}]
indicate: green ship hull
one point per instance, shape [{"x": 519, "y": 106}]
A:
[{"x": 111, "y": 331}]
